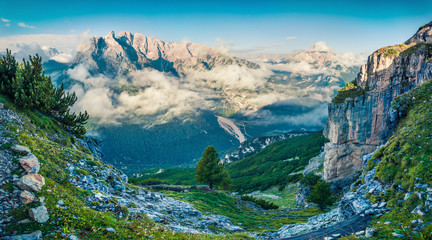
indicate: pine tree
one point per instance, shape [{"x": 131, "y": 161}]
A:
[
  {"x": 27, "y": 86},
  {"x": 321, "y": 195},
  {"x": 210, "y": 170}
]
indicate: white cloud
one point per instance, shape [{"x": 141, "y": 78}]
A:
[
  {"x": 290, "y": 38},
  {"x": 150, "y": 93},
  {"x": 6, "y": 21},
  {"x": 66, "y": 44},
  {"x": 23, "y": 25},
  {"x": 63, "y": 58},
  {"x": 233, "y": 76}
]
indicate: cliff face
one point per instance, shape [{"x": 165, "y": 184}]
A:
[{"x": 357, "y": 126}]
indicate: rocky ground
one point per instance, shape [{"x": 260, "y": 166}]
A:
[
  {"x": 8, "y": 199},
  {"x": 352, "y": 203},
  {"x": 110, "y": 186}
]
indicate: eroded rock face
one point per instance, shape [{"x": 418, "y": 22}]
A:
[
  {"x": 357, "y": 126},
  {"x": 31, "y": 182}
]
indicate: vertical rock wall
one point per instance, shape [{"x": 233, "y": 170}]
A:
[{"x": 357, "y": 126}]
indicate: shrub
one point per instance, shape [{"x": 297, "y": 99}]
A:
[
  {"x": 310, "y": 180},
  {"x": 261, "y": 202}
]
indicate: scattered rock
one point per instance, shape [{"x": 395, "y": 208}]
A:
[
  {"x": 20, "y": 149},
  {"x": 418, "y": 210},
  {"x": 73, "y": 237},
  {"x": 31, "y": 182},
  {"x": 369, "y": 232},
  {"x": 60, "y": 202},
  {"x": 360, "y": 233},
  {"x": 110, "y": 229},
  {"x": 32, "y": 236},
  {"x": 26, "y": 197},
  {"x": 398, "y": 235},
  {"x": 30, "y": 163},
  {"x": 39, "y": 214},
  {"x": 24, "y": 221}
]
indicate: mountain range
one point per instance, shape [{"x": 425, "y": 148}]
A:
[{"x": 130, "y": 81}]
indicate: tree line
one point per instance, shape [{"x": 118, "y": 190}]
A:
[{"x": 26, "y": 85}]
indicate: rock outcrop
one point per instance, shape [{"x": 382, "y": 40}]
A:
[{"x": 357, "y": 126}]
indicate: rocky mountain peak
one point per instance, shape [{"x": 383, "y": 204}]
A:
[
  {"x": 110, "y": 35},
  {"x": 321, "y": 47},
  {"x": 137, "y": 51},
  {"x": 423, "y": 34}
]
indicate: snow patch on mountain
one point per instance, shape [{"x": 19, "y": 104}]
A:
[{"x": 229, "y": 126}]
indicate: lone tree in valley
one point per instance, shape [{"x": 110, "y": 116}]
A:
[
  {"x": 210, "y": 170},
  {"x": 321, "y": 195}
]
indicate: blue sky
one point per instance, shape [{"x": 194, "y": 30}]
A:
[{"x": 246, "y": 26}]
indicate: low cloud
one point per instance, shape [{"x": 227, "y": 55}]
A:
[
  {"x": 233, "y": 77},
  {"x": 290, "y": 38},
  {"x": 142, "y": 93},
  {"x": 66, "y": 44},
  {"x": 23, "y": 25}
]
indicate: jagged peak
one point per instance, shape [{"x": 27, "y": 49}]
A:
[
  {"x": 110, "y": 35},
  {"x": 321, "y": 47},
  {"x": 423, "y": 34}
]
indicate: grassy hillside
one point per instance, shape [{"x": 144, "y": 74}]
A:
[
  {"x": 240, "y": 212},
  {"x": 405, "y": 165},
  {"x": 276, "y": 165},
  {"x": 55, "y": 149}
]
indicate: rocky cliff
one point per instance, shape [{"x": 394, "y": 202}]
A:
[{"x": 365, "y": 119}]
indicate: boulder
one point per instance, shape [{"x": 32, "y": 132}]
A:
[
  {"x": 73, "y": 237},
  {"x": 32, "y": 236},
  {"x": 110, "y": 229},
  {"x": 39, "y": 214},
  {"x": 31, "y": 182},
  {"x": 30, "y": 163},
  {"x": 20, "y": 149},
  {"x": 369, "y": 232},
  {"x": 26, "y": 197}
]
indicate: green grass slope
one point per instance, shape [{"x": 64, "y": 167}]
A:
[{"x": 240, "y": 213}]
